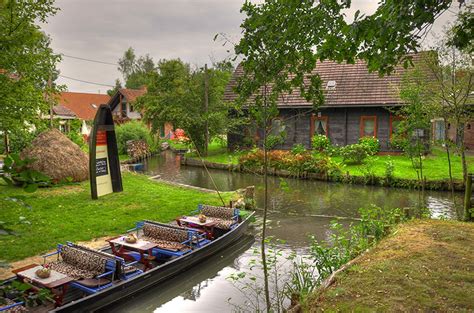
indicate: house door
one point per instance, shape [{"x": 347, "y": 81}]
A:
[{"x": 438, "y": 130}]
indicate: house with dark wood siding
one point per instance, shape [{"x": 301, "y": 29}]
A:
[{"x": 357, "y": 104}]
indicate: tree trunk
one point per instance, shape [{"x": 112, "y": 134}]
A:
[
  {"x": 448, "y": 155},
  {"x": 265, "y": 203},
  {"x": 206, "y": 108},
  {"x": 462, "y": 150},
  {"x": 6, "y": 141}
]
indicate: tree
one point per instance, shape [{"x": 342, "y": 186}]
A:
[
  {"x": 452, "y": 86},
  {"x": 118, "y": 85},
  {"x": 26, "y": 64},
  {"x": 135, "y": 70},
  {"x": 282, "y": 41},
  {"x": 416, "y": 117},
  {"x": 176, "y": 95}
]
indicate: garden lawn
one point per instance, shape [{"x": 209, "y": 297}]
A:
[
  {"x": 425, "y": 266},
  {"x": 217, "y": 153},
  {"x": 435, "y": 166},
  {"x": 55, "y": 215}
]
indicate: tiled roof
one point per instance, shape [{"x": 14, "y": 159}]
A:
[
  {"x": 355, "y": 86},
  {"x": 63, "y": 111},
  {"x": 84, "y": 105},
  {"x": 132, "y": 94}
]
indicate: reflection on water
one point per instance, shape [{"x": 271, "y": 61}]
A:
[
  {"x": 302, "y": 197},
  {"x": 297, "y": 211}
]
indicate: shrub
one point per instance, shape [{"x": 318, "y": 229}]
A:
[
  {"x": 355, "y": 153},
  {"x": 17, "y": 172},
  {"x": 389, "y": 169},
  {"x": 320, "y": 142},
  {"x": 133, "y": 130},
  {"x": 372, "y": 144},
  {"x": 298, "y": 149},
  {"x": 294, "y": 163},
  {"x": 78, "y": 139}
]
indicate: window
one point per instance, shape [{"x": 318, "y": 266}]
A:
[
  {"x": 319, "y": 125},
  {"x": 131, "y": 108},
  {"x": 162, "y": 131},
  {"x": 124, "y": 108},
  {"x": 278, "y": 127},
  {"x": 368, "y": 126},
  {"x": 394, "y": 124}
]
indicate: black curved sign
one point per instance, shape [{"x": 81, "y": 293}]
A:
[{"x": 104, "y": 164}]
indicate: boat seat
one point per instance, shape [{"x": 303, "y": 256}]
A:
[
  {"x": 12, "y": 306},
  {"x": 124, "y": 270},
  {"x": 226, "y": 218},
  {"x": 82, "y": 264}
]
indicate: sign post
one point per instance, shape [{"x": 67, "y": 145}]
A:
[{"x": 104, "y": 165}]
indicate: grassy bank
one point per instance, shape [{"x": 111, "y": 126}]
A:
[
  {"x": 54, "y": 215},
  {"x": 435, "y": 165},
  {"x": 424, "y": 266}
]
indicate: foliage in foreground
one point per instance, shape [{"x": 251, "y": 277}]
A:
[
  {"x": 426, "y": 266},
  {"x": 303, "y": 274},
  {"x": 16, "y": 172}
]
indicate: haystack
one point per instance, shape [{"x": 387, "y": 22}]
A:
[{"x": 58, "y": 157}]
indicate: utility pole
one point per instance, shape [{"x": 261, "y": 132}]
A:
[{"x": 206, "y": 108}]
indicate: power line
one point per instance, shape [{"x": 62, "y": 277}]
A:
[
  {"x": 89, "y": 60},
  {"x": 85, "y": 81}
]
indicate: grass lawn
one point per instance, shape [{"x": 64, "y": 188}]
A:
[
  {"x": 67, "y": 213},
  {"x": 217, "y": 153},
  {"x": 123, "y": 157},
  {"x": 426, "y": 266},
  {"x": 435, "y": 166}
]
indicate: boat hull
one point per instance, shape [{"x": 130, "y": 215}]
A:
[{"x": 156, "y": 275}]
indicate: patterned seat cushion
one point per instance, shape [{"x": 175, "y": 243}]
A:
[
  {"x": 165, "y": 233},
  {"x": 221, "y": 223},
  {"x": 78, "y": 263},
  {"x": 218, "y": 211},
  {"x": 71, "y": 270},
  {"x": 15, "y": 309},
  {"x": 167, "y": 245}
]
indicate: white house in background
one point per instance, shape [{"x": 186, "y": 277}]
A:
[{"x": 121, "y": 104}]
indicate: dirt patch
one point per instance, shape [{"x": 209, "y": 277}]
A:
[{"x": 7, "y": 272}]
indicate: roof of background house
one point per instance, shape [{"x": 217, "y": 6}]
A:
[
  {"x": 130, "y": 94},
  {"x": 354, "y": 86},
  {"x": 84, "y": 105},
  {"x": 63, "y": 111}
]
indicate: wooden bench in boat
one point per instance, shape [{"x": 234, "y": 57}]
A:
[
  {"x": 92, "y": 272},
  {"x": 171, "y": 240},
  {"x": 225, "y": 218},
  {"x": 124, "y": 270}
]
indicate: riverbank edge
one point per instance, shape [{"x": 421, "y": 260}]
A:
[
  {"x": 373, "y": 280},
  {"x": 439, "y": 185}
]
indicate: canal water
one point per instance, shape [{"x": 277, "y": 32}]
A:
[{"x": 299, "y": 208}]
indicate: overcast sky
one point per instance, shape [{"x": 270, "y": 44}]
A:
[{"x": 103, "y": 29}]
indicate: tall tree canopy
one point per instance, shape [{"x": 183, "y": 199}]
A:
[
  {"x": 26, "y": 63},
  {"x": 283, "y": 39},
  {"x": 176, "y": 95},
  {"x": 135, "y": 69}
]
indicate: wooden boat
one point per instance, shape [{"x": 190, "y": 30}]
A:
[{"x": 161, "y": 273}]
